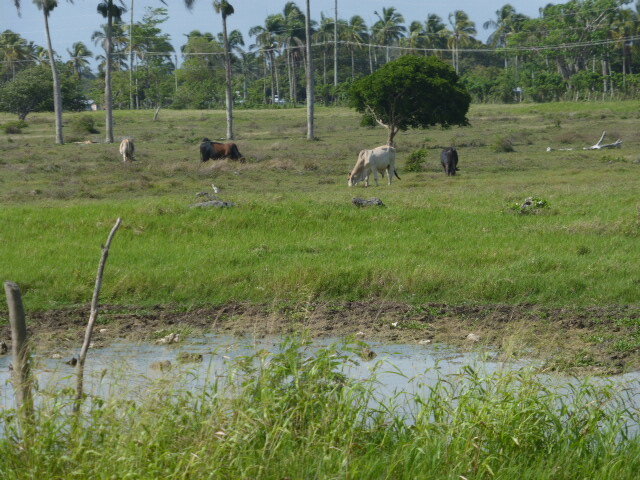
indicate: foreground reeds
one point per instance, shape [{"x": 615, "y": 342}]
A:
[{"x": 296, "y": 415}]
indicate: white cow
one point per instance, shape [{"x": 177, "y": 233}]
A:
[
  {"x": 377, "y": 161},
  {"x": 127, "y": 149}
]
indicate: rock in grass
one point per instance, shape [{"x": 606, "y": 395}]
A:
[
  {"x": 213, "y": 203},
  {"x": 169, "y": 339},
  {"x": 363, "y": 202},
  {"x": 162, "y": 366},
  {"x": 188, "y": 357},
  {"x": 472, "y": 337},
  {"x": 367, "y": 354}
]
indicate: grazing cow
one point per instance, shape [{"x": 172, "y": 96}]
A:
[
  {"x": 215, "y": 150},
  {"x": 374, "y": 161},
  {"x": 449, "y": 160},
  {"x": 127, "y": 149}
]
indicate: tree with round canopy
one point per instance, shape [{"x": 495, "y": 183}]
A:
[{"x": 412, "y": 92}]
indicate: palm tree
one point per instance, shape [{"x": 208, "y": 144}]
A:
[
  {"x": 335, "y": 45},
  {"x": 225, "y": 9},
  {"x": 47, "y": 7},
  {"x": 435, "y": 32},
  {"x": 354, "y": 33},
  {"x": 624, "y": 25},
  {"x": 388, "y": 28},
  {"x": 109, "y": 10},
  {"x": 416, "y": 36},
  {"x": 507, "y": 21},
  {"x": 79, "y": 54},
  {"x": 289, "y": 33},
  {"x": 267, "y": 41},
  {"x": 462, "y": 30},
  {"x": 309, "y": 72},
  {"x": 15, "y": 49},
  {"x": 323, "y": 35}
]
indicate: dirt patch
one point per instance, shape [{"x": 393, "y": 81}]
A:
[{"x": 600, "y": 340}]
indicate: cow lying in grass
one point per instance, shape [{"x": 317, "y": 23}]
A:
[
  {"x": 127, "y": 150},
  {"x": 215, "y": 150},
  {"x": 374, "y": 161}
]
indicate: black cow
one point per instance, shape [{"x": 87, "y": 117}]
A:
[
  {"x": 449, "y": 160},
  {"x": 206, "y": 151}
]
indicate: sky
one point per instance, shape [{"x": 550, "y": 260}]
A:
[{"x": 73, "y": 22}]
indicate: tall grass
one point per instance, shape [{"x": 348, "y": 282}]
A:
[{"x": 296, "y": 415}]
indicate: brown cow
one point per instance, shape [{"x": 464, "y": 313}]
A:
[{"x": 215, "y": 150}]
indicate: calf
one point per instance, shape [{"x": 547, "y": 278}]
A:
[
  {"x": 127, "y": 149},
  {"x": 449, "y": 160}
]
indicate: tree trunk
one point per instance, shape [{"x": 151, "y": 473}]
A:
[
  {"x": 309, "y": 72},
  {"x": 264, "y": 80},
  {"x": 624, "y": 67},
  {"x": 244, "y": 79},
  {"x": 289, "y": 74},
  {"x": 275, "y": 69},
  {"x": 392, "y": 134},
  {"x": 370, "y": 61},
  {"x": 131, "y": 59},
  {"x": 273, "y": 85},
  {"x": 57, "y": 94},
  {"x": 353, "y": 66},
  {"x": 335, "y": 46},
  {"x": 294, "y": 79},
  {"x": 108, "y": 100},
  {"x": 227, "y": 69},
  {"x": 324, "y": 66}
]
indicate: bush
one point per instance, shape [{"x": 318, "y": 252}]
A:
[
  {"x": 416, "y": 160},
  {"x": 503, "y": 145},
  {"x": 14, "y": 127},
  {"x": 84, "y": 124},
  {"x": 368, "y": 121}
]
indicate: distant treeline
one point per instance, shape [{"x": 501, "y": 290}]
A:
[{"x": 579, "y": 50}]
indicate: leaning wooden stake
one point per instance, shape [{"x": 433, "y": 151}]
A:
[
  {"x": 19, "y": 348},
  {"x": 93, "y": 315}
]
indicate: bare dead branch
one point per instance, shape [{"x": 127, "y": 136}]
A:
[{"x": 93, "y": 315}]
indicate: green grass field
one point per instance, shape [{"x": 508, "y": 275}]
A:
[
  {"x": 294, "y": 238},
  {"x": 295, "y": 234}
]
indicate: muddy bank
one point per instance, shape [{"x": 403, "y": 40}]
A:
[{"x": 600, "y": 340}]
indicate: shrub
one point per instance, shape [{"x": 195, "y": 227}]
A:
[
  {"x": 612, "y": 159},
  {"x": 368, "y": 121},
  {"x": 416, "y": 160},
  {"x": 310, "y": 166},
  {"x": 84, "y": 124},
  {"x": 503, "y": 145},
  {"x": 14, "y": 127}
]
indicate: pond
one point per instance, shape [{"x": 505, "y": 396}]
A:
[{"x": 129, "y": 368}]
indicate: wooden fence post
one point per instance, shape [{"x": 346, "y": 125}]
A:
[{"x": 19, "y": 349}]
